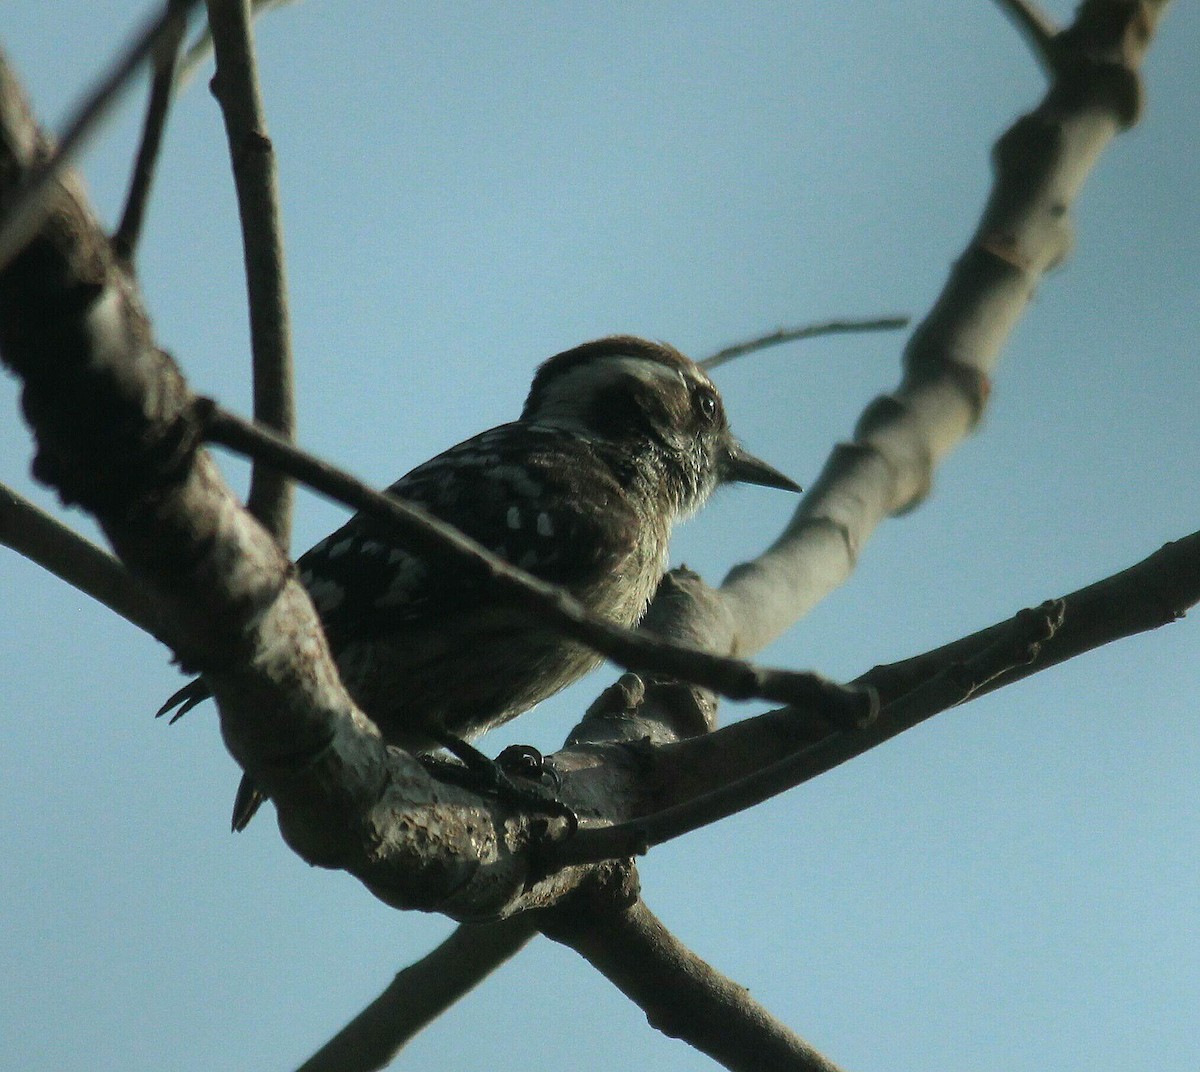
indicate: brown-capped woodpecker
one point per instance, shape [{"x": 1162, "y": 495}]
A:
[{"x": 618, "y": 439}]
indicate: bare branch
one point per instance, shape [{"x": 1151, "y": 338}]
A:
[
  {"x": 808, "y": 331},
  {"x": 200, "y": 49},
  {"x": 166, "y": 58},
  {"x": 682, "y": 996},
  {"x": 632, "y": 650},
  {"x": 419, "y": 994},
  {"x": 1040, "y": 163},
  {"x": 331, "y": 739},
  {"x": 737, "y": 767},
  {"x": 1149, "y": 594},
  {"x": 253, "y": 157},
  {"x": 29, "y": 204},
  {"x": 1035, "y": 25},
  {"x": 118, "y": 432},
  {"x": 115, "y": 430},
  {"x": 31, "y": 532}
]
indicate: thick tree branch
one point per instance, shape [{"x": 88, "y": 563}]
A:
[
  {"x": 116, "y": 433},
  {"x": 253, "y": 157},
  {"x": 1040, "y": 164}
]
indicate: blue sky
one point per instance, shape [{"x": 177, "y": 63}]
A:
[{"x": 470, "y": 188}]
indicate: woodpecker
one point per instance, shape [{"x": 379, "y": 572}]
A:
[{"x": 618, "y": 440}]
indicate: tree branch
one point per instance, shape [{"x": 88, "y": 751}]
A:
[
  {"x": 116, "y": 433},
  {"x": 682, "y": 996},
  {"x": 901, "y": 437},
  {"x": 31, "y": 532},
  {"x": 808, "y": 331},
  {"x": 28, "y": 204},
  {"x": 419, "y": 994},
  {"x": 166, "y": 59},
  {"x": 253, "y": 157}
]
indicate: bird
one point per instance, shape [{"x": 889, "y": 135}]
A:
[{"x": 618, "y": 440}]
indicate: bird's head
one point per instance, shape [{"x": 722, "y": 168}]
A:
[{"x": 648, "y": 399}]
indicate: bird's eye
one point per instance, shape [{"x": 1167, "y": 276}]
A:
[{"x": 707, "y": 404}]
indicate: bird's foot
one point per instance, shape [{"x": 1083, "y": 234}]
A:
[{"x": 515, "y": 778}]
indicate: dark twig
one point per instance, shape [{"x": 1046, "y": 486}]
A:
[
  {"x": 28, "y": 205},
  {"x": 253, "y": 158},
  {"x": 32, "y": 532},
  {"x": 1154, "y": 592},
  {"x": 424, "y": 533},
  {"x": 1035, "y": 25},
  {"x": 951, "y": 685},
  {"x": 420, "y": 993},
  {"x": 808, "y": 331},
  {"x": 166, "y": 59}
]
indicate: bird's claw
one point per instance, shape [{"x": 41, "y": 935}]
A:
[{"x": 498, "y": 778}]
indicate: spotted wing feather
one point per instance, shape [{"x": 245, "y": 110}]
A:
[{"x": 519, "y": 491}]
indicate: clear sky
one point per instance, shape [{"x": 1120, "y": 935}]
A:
[{"x": 468, "y": 188}]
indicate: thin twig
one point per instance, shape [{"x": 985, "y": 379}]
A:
[
  {"x": 808, "y": 331},
  {"x": 427, "y": 535},
  {"x": 420, "y": 993},
  {"x": 30, "y": 203},
  {"x": 1035, "y": 25},
  {"x": 253, "y": 158},
  {"x": 1154, "y": 592},
  {"x": 31, "y": 532},
  {"x": 953, "y": 684},
  {"x": 166, "y": 58}
]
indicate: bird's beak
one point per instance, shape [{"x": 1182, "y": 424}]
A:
[{"x": 745, "y": 468}]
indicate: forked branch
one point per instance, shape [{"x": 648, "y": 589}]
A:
[
  {"x": 253, "y": 158},
  {"x": 1035, "y": 25},
  {"x": 27, "y": 206},
  {"x": 162, "y": 87}
]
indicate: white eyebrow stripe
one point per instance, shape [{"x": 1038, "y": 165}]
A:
[{"x": 567, "y": 397}]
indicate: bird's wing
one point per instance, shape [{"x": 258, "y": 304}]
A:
[{"x": 530, "y": 496}]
